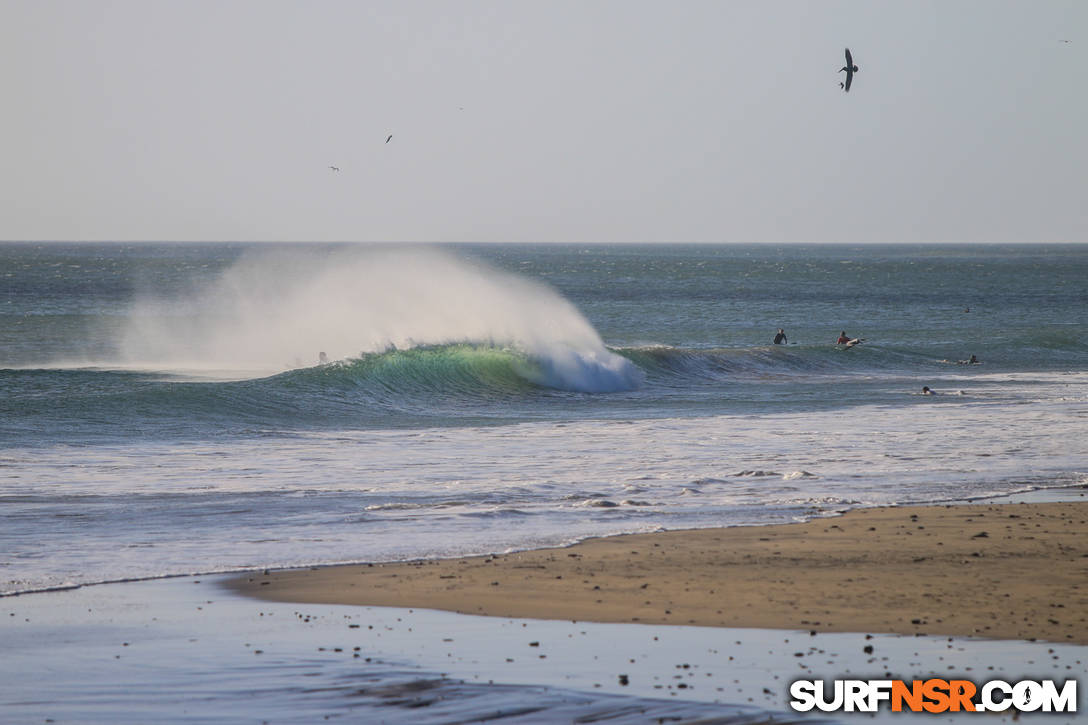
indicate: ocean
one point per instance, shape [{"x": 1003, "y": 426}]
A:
[{"x": 170, "y": 409}]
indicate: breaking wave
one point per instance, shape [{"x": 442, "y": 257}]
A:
[{"x": 422, "y": 314}]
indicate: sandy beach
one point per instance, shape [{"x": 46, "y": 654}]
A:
[{"x": 1004, "y": 571}]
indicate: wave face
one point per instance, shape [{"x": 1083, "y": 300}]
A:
[{"x": 269, "y": 311}]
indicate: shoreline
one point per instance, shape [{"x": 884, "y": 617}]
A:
[{"x": 1001, "y": 571}]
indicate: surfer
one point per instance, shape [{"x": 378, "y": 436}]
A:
[
  {"x": 927, "y": 391},
  {"x": 780, "y": 338},
  {"x": 972, "y": 361},
  {"x": 848, "y": 341}
]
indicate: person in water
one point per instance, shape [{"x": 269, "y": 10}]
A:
[
  {"x": 848, "y": 341},
  {"x": 780, "y": 338},
  {"x": 972, "y": 361},
  {"x": 927, "y": 391}
]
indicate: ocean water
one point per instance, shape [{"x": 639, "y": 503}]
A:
[{"x": 165, "y": 408}]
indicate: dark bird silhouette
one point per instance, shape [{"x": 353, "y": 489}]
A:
[
  {"x": 335, "y": 168},
  {"x": 388, "y": 137},
  {"x": 850, "y": 69}
]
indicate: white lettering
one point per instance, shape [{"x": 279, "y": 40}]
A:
[
  {"x": 856, "y": 691},
  {"x": 1065, "y": 701},
  {"x": 803, "y": 693},
  {"x": 879, "y": 691},
  {"x": 988, "y": 703},
  {"x": 1027, "y": 696},
  {"x": 835, "y": 703}
]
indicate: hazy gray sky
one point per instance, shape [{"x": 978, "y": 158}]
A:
[{"x": 556, "y": 120}]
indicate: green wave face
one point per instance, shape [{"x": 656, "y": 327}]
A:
[
  {"x": 460, "y": 368},
  {"x": 482, "y": 369}
]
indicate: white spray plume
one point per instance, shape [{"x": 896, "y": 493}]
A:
[{"x": 276, "y": 309}]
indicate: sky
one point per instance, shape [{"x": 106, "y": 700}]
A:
[{"x": 544, "y": 120}]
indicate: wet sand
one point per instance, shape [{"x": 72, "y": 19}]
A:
[{"x": 1005, "y": 571}]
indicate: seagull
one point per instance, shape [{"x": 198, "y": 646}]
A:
[
  {"x": 388, "y": 137},
  {"x": 335, "y": 168},
  {"x": 850, "y": 69}
]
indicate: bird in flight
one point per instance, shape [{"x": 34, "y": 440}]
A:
[
  {"x": 335, "y": 168},
  {"x": 388, "y": 137},
  {"x": 850, "y": 69}
]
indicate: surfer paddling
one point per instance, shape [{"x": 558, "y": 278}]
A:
[{"x": 844, "y": 339}]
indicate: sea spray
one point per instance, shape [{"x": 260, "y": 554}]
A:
[{"x": 273, "y": 310}]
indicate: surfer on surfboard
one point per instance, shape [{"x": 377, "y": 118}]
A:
[{"x": 848, "y": 341}]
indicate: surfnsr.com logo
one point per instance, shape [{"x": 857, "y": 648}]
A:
[{"x": 934, "y": 695}]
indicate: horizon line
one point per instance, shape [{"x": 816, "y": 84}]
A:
[{"x": 533, "y": 242}]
